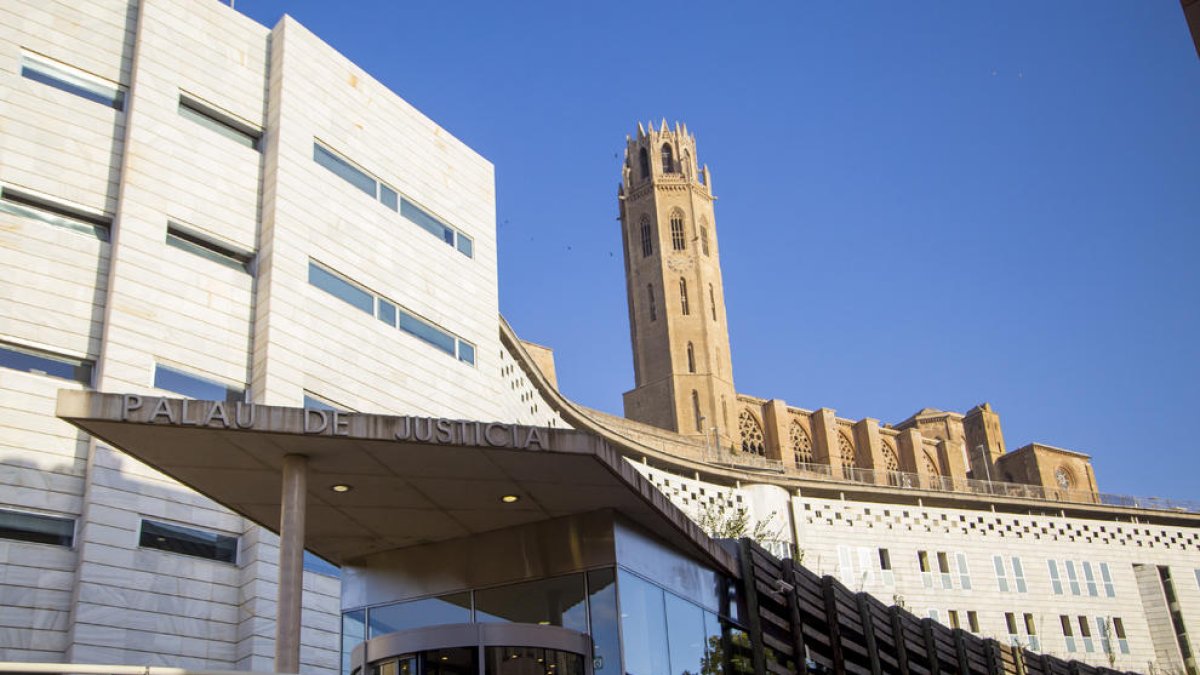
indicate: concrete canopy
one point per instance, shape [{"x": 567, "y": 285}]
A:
[{"x": 404, "y": 491}]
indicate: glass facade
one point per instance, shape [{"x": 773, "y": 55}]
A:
[{"x": 558, "y": 601}]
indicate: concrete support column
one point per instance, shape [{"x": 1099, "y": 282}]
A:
[
  {"x": 775, "y": 420},
  {"x": 291, "y": 564}
]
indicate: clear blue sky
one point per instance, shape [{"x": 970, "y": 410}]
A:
[{"x": 931, "y": 204}]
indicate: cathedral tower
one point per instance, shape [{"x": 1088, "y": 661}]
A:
[{"x": 681, "y": 360}]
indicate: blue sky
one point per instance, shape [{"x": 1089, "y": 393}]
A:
[{"x": 920, "y": 205}]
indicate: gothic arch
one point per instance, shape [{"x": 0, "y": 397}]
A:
[
  {"x": 678, "y": 235},
  {"x": 931, "y": 466},
  {"x": 847, "y": 455},
  {"x": 704, "y": 235},
  {"x": 647, "y": 237},
  {"x": 891, "y": 461},
  {"x": 801, "y": 444},
  {"x": 751, "y": 433},
  {"x": 668, "y": 158},
  {"x": 644, "y": 162}
]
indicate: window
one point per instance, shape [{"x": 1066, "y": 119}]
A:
[
  {"x": 54, "y": 212},
  {"x": 923, "y": 566},
  {"x": 387, "y": 196},
  {"x": 1072, "y": 578},
  {"x": 668, "y": 159},
  {"x": 964, "y": 572},
  {"x": 223, "y": 123},
  {"x": 952, "y": 616},
  {"x": 886, "y": 574},
  {"x": 1085, "y": 632},
  {"x": 1119, "y": 631},
  {"x": 72, "y": 80},
  {"x": 933, "y": 614},
  {"x": 943, "y": 561},
  {"x": 678, "y": 242},
  {"x": 1001, "y": 575},
  {"x": 650, "y": 295},
  {"x": 1198, "y": 577},
  {"x": 314, "y": 402},
  {"x": 1090, "y": 578},
  {"x": 389, "y": 313},
  {"x": 712, "y": 302},
  {"x": 683, "y": 297},
  {"x": 973, "y": 621},
  {"x": 194, "y": 386},
  {"x": 1104, "y": 632},
  {"x": 647, "y": 242},
  {"x": 1055, "y": 581},
  {"x": 198, "y": 244},
  {"x": 704, "y": 239},
  {"x": 345, "y": 170},
  {"x": 696, "y": 411},
  {"x": 644, "y": 162},
  {"x": 39, "y": 362},
  {"x": 557, "y": 601},
  {"x": 36, "y": 528},
  {"x": 1068, "y": 633},
  {"x": 1110, "y": 589},
  {"x": 1010, "y": 622},
  {"x": 188, "y": 541},
  {"x": 1031, "y": 633},
  {"x": 450, "y": 608},
  {"x": 1018, "y": 575},
  {"x": 691, "y": 358}
]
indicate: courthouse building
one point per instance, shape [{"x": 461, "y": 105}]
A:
[{"x": 195, "y": 207}]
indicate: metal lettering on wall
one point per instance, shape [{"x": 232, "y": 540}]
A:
[{"x": 236, "y": 415}]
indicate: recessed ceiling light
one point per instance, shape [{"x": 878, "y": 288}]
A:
[
  {"x": 508, "y": 499},
  {"x": 340, "y": 487}
]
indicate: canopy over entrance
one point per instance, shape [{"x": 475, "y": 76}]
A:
[{"x": 410, "y": 480}]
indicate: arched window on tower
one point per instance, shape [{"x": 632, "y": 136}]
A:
[
  {"x": 704, "y": 237},
  {"x": 751, "y": 433},
  {"x": 802, "y": 451},
  {"x": 696, "y": 412},
  {"x": 678, "y": 242},
  {"x": 668, "y": 159},
  {"x": 647, "y": 242},
  {"x": 848, "y": 457},
  {"x": 683, "y": 299},
  {"x": 691, "y": 357},
  {"x": 650, "y": 295},
  {"x": 644, "y": 162},
  {"x": 712, "y": 302},
  {"x": 891, "y": 464}
]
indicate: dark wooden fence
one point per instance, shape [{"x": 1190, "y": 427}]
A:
[{"x": 802, "y": 623}]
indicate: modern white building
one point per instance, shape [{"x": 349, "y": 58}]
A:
[{"x": 195, "y": 205}]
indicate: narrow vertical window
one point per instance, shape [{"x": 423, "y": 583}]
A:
[
  {"x": 724, "y": 412},
  {"x": 683, "y": 298},
  {"x": 696, "y": 411},
  {"x": 1010, "y": 622},
  {"x": 964, "y": 572},
  {"x": 678, "y": 242},
  {"x": 1090, "y": 578},
  {"x": 647, "y": 243},
  {"x": 943, "y": 562},
  {"x": 691, "y": 357},
  {"x": 712, "y": 302},
  {"x": 1018, "y": 575},
  {"x": 704, "y": 239},
  {"x": 1111, "y": 590},
  {"x": 668, "y": 159},
  {"x": 1055, "y": 580},
  {"x": 973, "y": 620},
  {"x": 1001, "y": 576},
  {"x": 1068, "y": 633},
  {"x": 1072, "y": 577},
  {"x": 650, "y": 295},
  {"x": 644, "y": 163},
  {"x": 1031, "y": 633}
]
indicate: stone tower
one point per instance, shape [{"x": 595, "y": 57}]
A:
[{"x": 681, "y": 360}]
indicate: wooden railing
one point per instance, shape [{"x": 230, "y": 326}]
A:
[{"x": 802, "y": 623}]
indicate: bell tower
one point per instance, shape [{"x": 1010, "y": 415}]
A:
[{"x": 681, "y": 361}]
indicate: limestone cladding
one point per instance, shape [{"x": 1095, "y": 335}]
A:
[
  {"x": 121, "y": 299},
  {"x": 844, "y": 538}
]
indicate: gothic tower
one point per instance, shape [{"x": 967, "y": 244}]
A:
[{"x": 681, "y": 360}]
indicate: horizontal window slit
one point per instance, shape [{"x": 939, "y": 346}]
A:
[
  {"x": 29, "y": 205},
  {"x": 219, "y": 121},
  {"x": 191, "y": 242}
]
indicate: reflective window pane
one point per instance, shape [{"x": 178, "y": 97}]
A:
[
  {"x": 340, "y": 288},
  {"x": 531, "y": 661},
  {"x": 643, "y": 626},
  {"x": 194, "y": 112},
  {"x": 354, "y": 631},
  {"x": 557, "y": 602},
  {"x": 465, "y": 245},
  {"x": 188, "y": 541},
  {"x": 418, "y": 328},
  {"x": 421, "y": 219},
  {"x": 193, "y": 386},
  {"x": 347, "y": 171},
  {"x": 31, "y": 361},
  {"x": 389, "y": 197},
  {"x": 386, "y": 312},
  {"x": 72, "y": 80},
  {"x": 466, "y": 353},
  {"x": 317, "y": 564},
  {"x": 452, "y": 608},
  {"x": 606, "y": 637},
  {"x": 53, "y": 214},
  {"x": 36, "y": 528},
  {"x": 458, "y": 661},
  {"x": 685, "y": 635}
]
